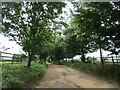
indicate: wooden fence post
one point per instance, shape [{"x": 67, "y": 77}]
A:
[
  {"x": 21, "y": 59},
  {"x": 0, "y": 55},
  {"x": 113, "y": 61},
  {"x": 13, "y": 58}
]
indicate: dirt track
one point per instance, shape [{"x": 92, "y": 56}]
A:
[{"x": 60, "y": 76}]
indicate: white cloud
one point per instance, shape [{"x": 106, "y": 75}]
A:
[
  {"x": 97, "y": 53},
  {"x": 14, "y": 47}
]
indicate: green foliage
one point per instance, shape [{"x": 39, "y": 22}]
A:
[
  {"x": 23, "y": 56},
  {"x": 30, "y": 24},
  {"x": 48, "y": 59},
  {"x": 59, "y": 52},
  {"x": 94, "y": 25},
  {"x": 109, "y": 71},
  {"x": 56, "y": 49},
  {"x": 56, "y": 62},
  {"x": 98, "y": 21},
  {"x": 70, "y": 44},
  {"x": 16, "y": 75}
]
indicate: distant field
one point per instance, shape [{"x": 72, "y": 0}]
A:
[
  {"x": 4, "y": 62},
  {"x": 110, "y": 62},
  {"x": 7, "y": 62}
]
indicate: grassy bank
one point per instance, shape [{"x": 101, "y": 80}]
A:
[
  {"x": 17, "y": 75},
  {"x": 109, "y": 71}
]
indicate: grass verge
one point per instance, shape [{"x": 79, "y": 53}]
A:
[
  {"x": 17, "y": 75},
  {"x": 109, "y": 71}
]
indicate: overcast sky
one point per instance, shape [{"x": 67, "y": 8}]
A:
[{"x": 14, "y": 48}]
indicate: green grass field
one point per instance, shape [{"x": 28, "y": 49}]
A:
[
  {"x": 7, "y": 62},
  {"x": 4, "y": 62},
  {"x": 110, "y": 62}
]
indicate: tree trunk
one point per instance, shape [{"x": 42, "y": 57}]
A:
[
  {"x": 113, "y": 61},
  {"x": 66, "y": 58},
  {"x": 83, "y": 56},
  {"x": 99, "y": 43},
  {"x": 117, "y": 59},
  {"x": 29, "y": 60},
  {"x": 59, "y": 62},
  {"x": 102, "y": 61},
  {"x": 30, "y": 56}
]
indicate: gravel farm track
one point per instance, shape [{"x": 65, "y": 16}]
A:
[{"x": 60, "y": 76}]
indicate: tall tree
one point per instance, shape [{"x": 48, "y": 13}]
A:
[
  {"x": 29, "y": 23},
  {"x": 99, "y": 19},
  {"x": 78, "y": 41}
]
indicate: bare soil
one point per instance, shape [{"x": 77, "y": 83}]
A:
[{"x": 60, "y": 76}]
